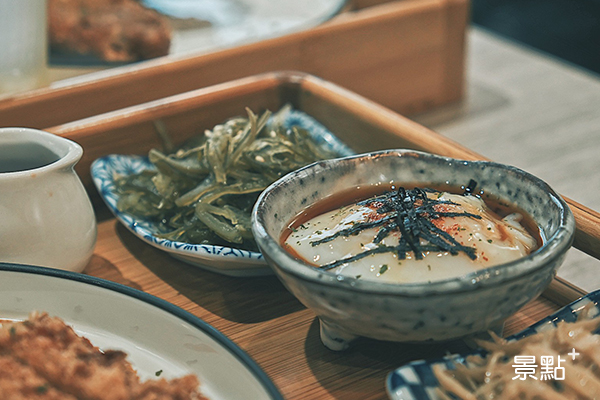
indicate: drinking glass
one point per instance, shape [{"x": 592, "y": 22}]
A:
[{"x": 23, "y": 45}]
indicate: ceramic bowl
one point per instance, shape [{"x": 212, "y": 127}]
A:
[{"x": 437, "y": 311}]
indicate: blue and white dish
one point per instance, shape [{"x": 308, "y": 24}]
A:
[
  {"x": 155, "y": 334},
  {"x": 221, "y": 259},
  {"x": 441, "y": 310},
  {"x": 416, "y": 380}
]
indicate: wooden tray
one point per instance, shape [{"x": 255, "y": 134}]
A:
[
  {"x": 407, "y": 55},
  {"x": 258, "y": 313}
]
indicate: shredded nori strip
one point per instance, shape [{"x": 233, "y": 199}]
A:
[
  {"x": 470, "y": 189},
  {"x": 411, "y": 212},
  {"x": 354, "y": 230}
]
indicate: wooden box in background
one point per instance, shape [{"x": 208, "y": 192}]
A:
[{"x": 407, "y": 55}]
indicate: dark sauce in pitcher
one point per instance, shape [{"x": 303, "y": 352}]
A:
[{"x": 16, "y": 157}]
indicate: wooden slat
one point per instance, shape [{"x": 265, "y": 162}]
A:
[
  {"x": 588, "y": 228},
  {"x": 360, "y": 4},
  {"x": 454, "y": 78},
  {"x": 563, "y": 292}
]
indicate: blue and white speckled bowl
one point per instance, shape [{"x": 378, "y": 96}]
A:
[{"x": 441, "y": 310}]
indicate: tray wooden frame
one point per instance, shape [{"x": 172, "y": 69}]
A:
[{"x": 259, "y": 314}]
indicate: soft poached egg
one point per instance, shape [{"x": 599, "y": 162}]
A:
[{"x": 495, "y": 240}]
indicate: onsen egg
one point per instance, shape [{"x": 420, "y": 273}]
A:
[{"x": 363, "y": 239}]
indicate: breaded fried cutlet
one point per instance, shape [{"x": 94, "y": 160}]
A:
[
  {"x": 49, "y": 359},
  {"x": 18, "y": 381},
  {"x": 113, "y": 30}
]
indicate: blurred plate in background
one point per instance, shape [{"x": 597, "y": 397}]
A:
[
  {"x": 201, "y": 26},
  {"x": 208, "y": 25}
]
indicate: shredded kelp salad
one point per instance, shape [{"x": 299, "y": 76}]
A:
[{"x": 204, "y": 191}]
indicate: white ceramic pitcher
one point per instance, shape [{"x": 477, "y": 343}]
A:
[{"x": 46, "y": 217}]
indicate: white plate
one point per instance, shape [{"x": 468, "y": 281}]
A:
[
  {"x": 203, "y": 26},
  {"x": 154, "y": 333},
  {"x": 235, "y": 22}
]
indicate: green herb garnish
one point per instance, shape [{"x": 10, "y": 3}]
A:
[{"x": 41, "y": 389}]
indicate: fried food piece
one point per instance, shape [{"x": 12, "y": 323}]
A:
[
  {"x": 66, "y": 362},
  {"x": 162, "y": 389},
  {"x": 21, "y": 382},
  {"x": 114, "y": 30}
]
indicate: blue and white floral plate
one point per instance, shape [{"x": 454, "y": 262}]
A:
[
  {"x": 416, "y": 380},
  {"x": 221, "y": 259}
]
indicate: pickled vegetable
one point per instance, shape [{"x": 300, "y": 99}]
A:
[{"x": 203, "y": 192}]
